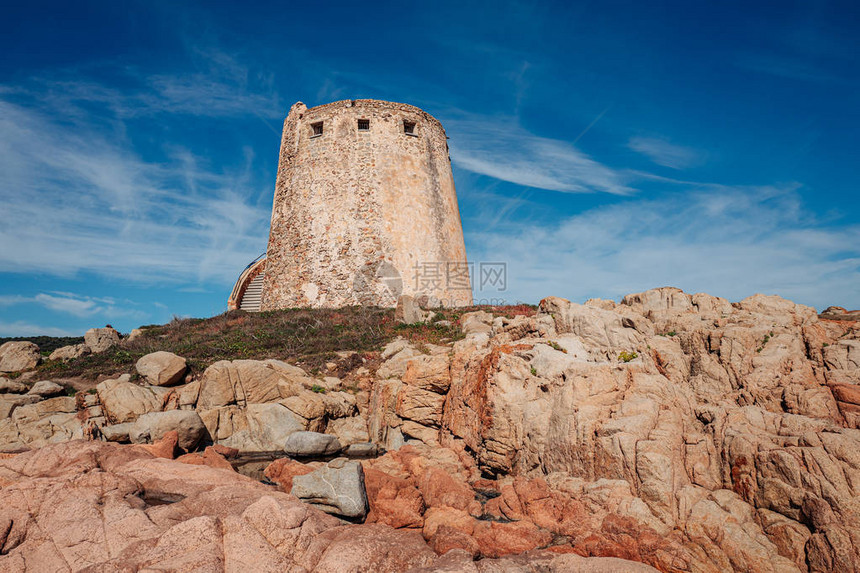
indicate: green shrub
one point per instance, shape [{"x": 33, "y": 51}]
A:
[
  {"x": 318, "y": 389},
  {"x": 534, "y": 371},
  {"x": 627, "y": 356}
]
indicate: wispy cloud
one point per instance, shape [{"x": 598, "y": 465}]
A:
[
  {"x": 220, "y": 87},
  {"x": 790, "y": 67},
  {"x": 71, "y": 305},
  {"x": 727, "y": 241},
  {"x": 76, "y": 305},
  {"x": 664, "y": 153},
  {"x": 500, "y": 148},
  {"x": 78, "y": 199}
]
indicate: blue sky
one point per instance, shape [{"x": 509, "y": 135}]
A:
[{"x": 599, "y": 148}]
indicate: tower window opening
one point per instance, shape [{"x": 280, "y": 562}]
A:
[
  {"x": 409, "y": 127},
  {"x": 316, "y": 129},
  {"x": 363, "y": 125}
]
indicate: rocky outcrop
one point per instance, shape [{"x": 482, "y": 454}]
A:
[
  {"x": 98, "y": 506},
  {"x": 33, "y": 423},
  {"x": 161, "y": 368},
  {"x": 680, "y": 432},
  {"x": 718, "y": 436},
  {"x": 18, "y": 355},
  {"x": 256, "y": 405}
]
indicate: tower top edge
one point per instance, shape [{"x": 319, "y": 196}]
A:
[{"x": 368, "y": 104}]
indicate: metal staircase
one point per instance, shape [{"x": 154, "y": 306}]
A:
[{"x": 253, "y": 294}]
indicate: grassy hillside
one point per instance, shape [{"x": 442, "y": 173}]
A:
[{"x": 308, "y": 337}]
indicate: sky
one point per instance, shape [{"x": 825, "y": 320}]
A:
[{"x": 599, "y": 148}]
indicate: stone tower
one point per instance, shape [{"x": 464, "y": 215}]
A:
[{"x": 365, "y": 210}]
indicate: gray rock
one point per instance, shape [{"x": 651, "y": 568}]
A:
[
  {"x": 161, "y": 368},
  {"x": 408, "y": 311},
  {"x": 12, "y": 387},
  {"x": 362, "y": 450},
  {"x": 69, "y": 352},
  {"x": 46, "y": 389},
  {"x": 19, "y": 355},
  {"x": 117, "y": 432},
  {"x": 336, "y": 488},
  {"x": 312, "y": 444},
  {"x": 151, "y": 427},
  {"x": 100, "y": 339}
]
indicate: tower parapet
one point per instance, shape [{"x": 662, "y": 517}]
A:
[{"x": 365, "y": 210}]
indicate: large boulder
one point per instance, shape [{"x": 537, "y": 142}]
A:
[
  {"x": 151, "y": 427},
  {"x": 46, "y": 389},
  {"x": 99, "y": 506},
  {"x": 161, "y": 368},
  {"x": 100, "y": 339},
  {"x": 336, "y": 488},
  {"x": 311, "y": 444},
  {"x": 18, "y": 355},
  {"x": 123, "y": 401},
  {"x": 69, "y": 352}
]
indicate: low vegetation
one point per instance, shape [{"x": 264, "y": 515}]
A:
[
  {"x": 627, "y": 356},
  {"x": 307, "y": 337},
  {"x": 47, "y": 344}
]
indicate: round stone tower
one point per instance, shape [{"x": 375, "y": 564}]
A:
[{"x": 365, "y": 210}]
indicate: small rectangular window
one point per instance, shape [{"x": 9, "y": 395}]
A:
[
  {"x": 409, "y": 127},
  {"x": 316, "y": 129},
  {"x": 363, "y": 125}
]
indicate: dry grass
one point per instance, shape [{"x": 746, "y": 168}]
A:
[{"x": 308, "y": 337}]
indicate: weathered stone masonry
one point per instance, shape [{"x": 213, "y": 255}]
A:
[{"x": 358, "y": 213}]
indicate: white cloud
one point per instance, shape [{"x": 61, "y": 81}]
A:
[
  {"x": 499, "y": 147},
  {"x": 731, "y": 242},
  {"x": 664, "y": 153},
  {"x": 76, "y": 305},
  {"x": 222, "y": 87},
  {"x": 75, "y": 199}
]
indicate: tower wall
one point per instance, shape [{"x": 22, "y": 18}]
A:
[{"x": 362, "y": 216}]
